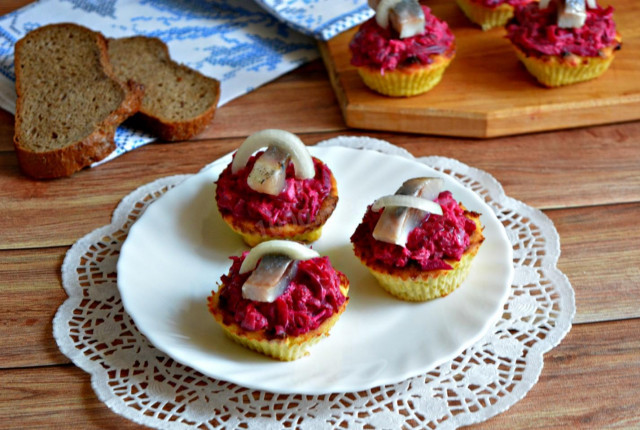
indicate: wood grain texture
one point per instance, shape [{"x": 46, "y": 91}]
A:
[
  {"x": 586, "y": 180},
  {"x": 86, "y": 200},
  {"x": 7, "y": 6},
  {"x": 580, "y": 387},
  {"x": 301, "y": 103},
  {"x": 485, "y": 92},
  {"x": 31, "y": 292},
  {"x": 601, "y": 259},
  {"x": 589, "y": 381},
  {"x": 599, "y": 167}
]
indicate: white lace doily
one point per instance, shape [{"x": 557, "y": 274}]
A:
[{"x": 142, "y": 384}]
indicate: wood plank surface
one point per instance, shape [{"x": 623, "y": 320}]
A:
[
  {"x": 31, "y": 294},
  {"x": 600, "y": 168},
  {"x": 486, "y": 92},
  {"x": 589, "y": 381},
  {"x": 7, "y": 6},
  {"x": 601, "y": 260},
  {"x": 566, "y": 396},
  {"x": 586, "y": 180},
  {"x": 300, "y": 103}
]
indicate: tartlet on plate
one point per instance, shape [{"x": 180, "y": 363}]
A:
[
  {"x": 296, "y": 209},
  {"x": 282, "y": 324},
  {"x": 435, "y": 256}
]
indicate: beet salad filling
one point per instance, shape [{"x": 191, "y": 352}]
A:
[
  {"x": 535, "y": 32},
  {"x": 437, "y": 238},
  {"x": 298, "y": 204},
  {"x": 312, "y": 296},
  {"x": 380, "y": 48}
]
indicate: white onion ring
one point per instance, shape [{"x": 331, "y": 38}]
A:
[
  {"x": 293, "y": 250},
  {"x": 289, "y": 142},
  {"x": 397, "y": 200}
]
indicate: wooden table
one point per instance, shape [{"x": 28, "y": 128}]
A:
[{"x": 586, "y": 180}]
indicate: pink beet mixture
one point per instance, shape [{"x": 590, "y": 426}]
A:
[
  {"x": 439, "y": 237},
  {"x": 380, "y": 48},
  {"x": 535, "y": 32},
  {"x": 312, "y": 296},
  {"x": 299, "y": 203}
]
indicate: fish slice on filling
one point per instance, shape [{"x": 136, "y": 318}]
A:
[{"x": 397, "y": 222}]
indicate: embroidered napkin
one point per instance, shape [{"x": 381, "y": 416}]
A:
[
  {"x": 321, "y": 19},
  {"x": 235, "y": 41}
]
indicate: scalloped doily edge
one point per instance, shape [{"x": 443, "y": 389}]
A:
[{"x": 114, "y": 403}]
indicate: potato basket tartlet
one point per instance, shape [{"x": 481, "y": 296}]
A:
[
  {"x": 403, "y": 50},
  {"x": 279, "y": 299},
  {"x": 281, "y": 192},
  {"x": 420, "y": 242}
]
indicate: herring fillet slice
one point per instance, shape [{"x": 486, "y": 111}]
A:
[
  {"x": 270, "y": 278},
  {"x": 425, "y": 187},
  {"x": 269, "y": 172},
  {"x": 572, "y": 14},
  {"x": 397, "y": 222},
  {"x": 383, "y": 8},
  {"x": 395, "y": 200},
  {"x": 293, "y": 250},
  {"x": 542, "y": 4},
  {"x": 407, "y": 18},
  {"x": 289, "y": 142}
]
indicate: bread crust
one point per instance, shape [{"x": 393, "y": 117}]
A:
[
  {"x": 97, "y": 145},
  {"x": 166, "y": 128}
]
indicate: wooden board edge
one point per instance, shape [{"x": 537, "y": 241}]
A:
[
  {"x": 333, "y": 77},
  {"x": 562, "y": 116}
]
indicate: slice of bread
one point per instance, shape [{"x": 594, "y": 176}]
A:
[
  {"x": 179, "y": 102},
  {"x": 69, "y": 101}
]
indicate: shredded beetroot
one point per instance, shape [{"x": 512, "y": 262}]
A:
[
  {"x": 495, "y": 3},
  {"x": 312, "y": 296},
  {"x": 439, "y": 237},
  {"x": 299, "y": 203},
  {"x": 380, "y": 48},
  {"x": 535, "y": 32}
]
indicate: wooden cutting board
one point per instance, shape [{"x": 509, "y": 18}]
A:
[{"x": 486, "y": 92}]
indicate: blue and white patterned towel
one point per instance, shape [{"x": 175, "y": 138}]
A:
[
  {"x": 321, "y": 19},
  {"x": 234, "y": 41}
]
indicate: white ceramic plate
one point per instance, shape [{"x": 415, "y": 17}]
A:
[{"x": 177, "y": 251}]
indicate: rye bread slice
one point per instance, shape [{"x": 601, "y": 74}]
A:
[
  {"x": 179, "y": 102},
  {"x": 69, "y": 101}
]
